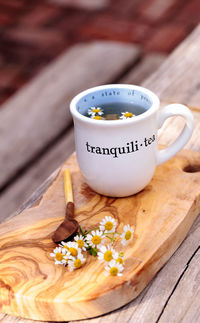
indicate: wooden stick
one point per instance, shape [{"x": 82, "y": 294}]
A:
[
  {"x": 68, "y": 186},
  {"x": 69, "y": 226}
]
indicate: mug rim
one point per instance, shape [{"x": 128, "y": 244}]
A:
[{"x": 153, "y": 108}]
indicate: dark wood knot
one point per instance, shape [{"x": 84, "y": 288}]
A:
[{"x": 191, "y": 168}]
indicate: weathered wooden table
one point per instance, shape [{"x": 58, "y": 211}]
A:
[{"x": 173, "y": 295}]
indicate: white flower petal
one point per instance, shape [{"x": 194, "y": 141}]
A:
[
  {"x": 103, "y": 249},
  {"x": 112, "y": 263}
]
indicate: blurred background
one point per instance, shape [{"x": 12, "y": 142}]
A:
[
  {"x": 34, "y": 32},
  {"x": 53, "y": 49}
]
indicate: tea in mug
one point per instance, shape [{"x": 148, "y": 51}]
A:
[{"x": 115, "y": 111}]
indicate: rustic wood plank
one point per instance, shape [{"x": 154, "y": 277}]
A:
[
  {"x": 25, "y": 185},
  {"x": 38, "y": 113},
  {"x": 34, "y": 199},
  {"x": 148, "y": 306},
  {"x": 177, "y": 79},
  {"x": 33, "y": 228},
  {"x": 148, "y": 65},
  {"x": 85, "y": 4},
  {"x": 183, "y": 306},
  {"x": 11, "y": 319}
]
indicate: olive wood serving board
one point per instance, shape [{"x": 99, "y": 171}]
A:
[{"x": 32, "y": 286}]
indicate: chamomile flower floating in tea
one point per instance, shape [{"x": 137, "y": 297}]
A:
[
  {"x": 95, "y": 111},
  {"x": 97, "y": 117},
  {"x": 108, "y": 224},
  {"x": 58, "y": 255},
  {"x": 106, "y": 254},
  {"x": 128, "y": 234},
  {"x": 95, "y": 239},
  {"x": 126, "y": 115},
  {"x": 114, "y": 268},
  {"x": 81, "y": 242},
  {"x": 112, "y": 112}
]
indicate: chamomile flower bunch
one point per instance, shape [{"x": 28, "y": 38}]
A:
[
  {"x": 98, "y": 242},
  {"x": 70, "y": 253}
]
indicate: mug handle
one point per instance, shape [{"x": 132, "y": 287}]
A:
[{"x": 170, "y": 111}]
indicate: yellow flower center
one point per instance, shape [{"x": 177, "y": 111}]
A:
[
  {"x": 59, "y": 256},
  {"x": 121, "y": 254},
  {"x": 128, "y": 235},
  {"x": 114, "y": 271},
  {"x": 97, "y": 117},
  {"x": 77, "y": 263},
  {"x": 108, "y": 255},
  {"x": 96, "y": 240},
  {"x": 80, "y": 243},
  {"x": 65, "y": 247},
  {"x": 119, "y": 260},
  {"x": 73, "y": 251},
  {"x": 96, "y": 110},
  {"x": 128, "y": 115},
  {"x": 109, "y": 225}
]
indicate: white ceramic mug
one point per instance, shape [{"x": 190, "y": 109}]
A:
[{"x": 118, "y": 157}]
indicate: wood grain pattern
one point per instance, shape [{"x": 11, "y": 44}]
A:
[
  {"x": 153, "y": 301},
  {"x": 31, "y": 282}
]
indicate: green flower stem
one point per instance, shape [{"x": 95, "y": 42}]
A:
[
  {"x": 86, "y": 232},
  {"x": 81, "y": 230},
  {"x": 111, "y": 238},
  {"x": 114, "y": 233}
]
